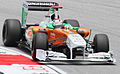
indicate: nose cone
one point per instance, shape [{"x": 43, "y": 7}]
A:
[{"x": 75, "y": 40}]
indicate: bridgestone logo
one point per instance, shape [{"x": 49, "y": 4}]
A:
[{"x": 51, "y": 4}]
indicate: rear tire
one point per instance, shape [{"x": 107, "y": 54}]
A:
[
  {"x": 72, "y": 22},
  {"x": 40, "y": 41},
  {"x": 11, "y": 32},
  {"x": 101, "y": 43}
]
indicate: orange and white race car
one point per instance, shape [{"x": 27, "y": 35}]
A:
[{"x": 55, "y": 39}]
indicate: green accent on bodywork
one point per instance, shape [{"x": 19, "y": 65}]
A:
[
  {"x": 70, "y": 26},
  {"x": 42, "y": 26},
  {"x": 51, "y": 10},
  {"x": 32, "y": 39},
  {"x": 75, "y": 28},
  {"x": 32, "y": 33},
  {"x": 24, "y": 17},
  {"x": 50, "y": 26}
]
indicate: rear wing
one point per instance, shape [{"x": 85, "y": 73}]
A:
[
  {"x": 40, "y": 6},
  {"x": 35, "y": 6}
]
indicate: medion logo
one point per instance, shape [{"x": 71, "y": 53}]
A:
[{"x": 33, "y": 3}]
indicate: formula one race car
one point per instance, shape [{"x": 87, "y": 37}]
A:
[{"x": 55, "y": 39}]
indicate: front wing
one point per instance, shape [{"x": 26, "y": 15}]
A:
[{"x": 56, "y": 56}]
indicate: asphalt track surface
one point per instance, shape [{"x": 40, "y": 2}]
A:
[{"x": 102, "y": 16}]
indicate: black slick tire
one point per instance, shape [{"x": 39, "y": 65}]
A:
[
  {"x": 101, "y": 43},
  {"x": 11, "y": 32},
  {"x": 40, "y": 41}
]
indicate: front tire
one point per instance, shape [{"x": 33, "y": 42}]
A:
[
  {"x": 101, "y": 43},
  {"x": 11, "y": 32},
  {"x": 40, "y": 41}
]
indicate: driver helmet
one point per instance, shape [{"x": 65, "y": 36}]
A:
[{"x": 53, "y": 17}]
